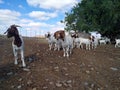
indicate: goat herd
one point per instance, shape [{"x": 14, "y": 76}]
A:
[
  {"x": 59, "y": 39},
  {"x": 68, "y": 41}
]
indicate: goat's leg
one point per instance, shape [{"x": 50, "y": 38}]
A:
[
  {"x": 81, "y": 46},
  {"x": 67, "y": 51},
  {"x": 71, "y": 50},
  {"x": 56, "y": 47},
  {"x": 50, "y": 46},
  {"x": 89, "y": 46},
  {"x": 15, "y": 55},
  {"x": 22, "y": 58},
  {"x": 115, "y": 45},
  {"x": 64, "y": 52}
]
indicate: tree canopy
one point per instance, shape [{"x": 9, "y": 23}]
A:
[{"x": 95, "y": 15}]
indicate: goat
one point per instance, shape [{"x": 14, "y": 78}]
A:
[
  {"x": 102, "y": 42},
  {"x": 117, "y": 44},
  {"x": 85, "y": 41},
  {"x": 17, "y": 43},
  {"x": 67, "y": 45},
  {"x": 66, "y": 41},
  {"x": 59, "y": 34},
  {"x": 52, "y": 41},
  {"x": 83, "y": 38}
]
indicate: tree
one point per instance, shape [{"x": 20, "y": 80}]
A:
[{"x": 95, "y": 15}]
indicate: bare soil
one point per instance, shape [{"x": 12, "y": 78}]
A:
[{"x": 97, "y": 69}]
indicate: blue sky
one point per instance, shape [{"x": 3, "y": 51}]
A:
[{"x": 36, "y": 17}]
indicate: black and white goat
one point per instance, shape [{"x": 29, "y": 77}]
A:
[
  {"x": 117, "y": 44},
  {"x": 53, "y": 43},
  {"x": 17, "y": 43}
]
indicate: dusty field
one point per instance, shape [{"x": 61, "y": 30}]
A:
[{"x": 97, "y": 69}]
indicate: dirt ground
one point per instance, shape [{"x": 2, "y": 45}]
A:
[{"x": 97, "y": 69}]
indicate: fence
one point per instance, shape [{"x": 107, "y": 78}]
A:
[{"x": 24, "y": 32}]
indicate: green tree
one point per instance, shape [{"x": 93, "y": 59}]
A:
[{"x": 95, "y": 15}]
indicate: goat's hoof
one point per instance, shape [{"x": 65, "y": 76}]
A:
[
  {"x": 24, "y": 66},
  {"x": 16, "y": 63}
]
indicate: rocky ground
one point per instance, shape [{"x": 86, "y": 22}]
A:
[{"x": 97, "y": 69}]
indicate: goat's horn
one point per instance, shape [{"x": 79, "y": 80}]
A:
[
  {"x": 5, "y": 32},
  {"x": 17, "y": 26}
]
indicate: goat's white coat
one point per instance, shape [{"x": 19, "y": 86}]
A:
[
  {"x": 85, "y": 41},
  {"x": 102, "y": 42},
  {"x": 53, "y": 42},
  {"x": 117, "y": 44},
  {"x": 67, "y": 45},
  {"x": 15, "y": 51}
]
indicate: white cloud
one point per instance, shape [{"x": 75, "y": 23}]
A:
[
  {"x": 20, "y": 6},
  {"x": 53, "y": 4},
  {"x": 1, "y": 2},
  {"x": 42, "y": 15},
  {"x": 8, "y": 16}
]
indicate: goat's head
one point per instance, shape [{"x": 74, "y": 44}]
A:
[
  {"x": 74, "y": 35},
  {"x": 92, "y": 38},
  {"x": 47, "y": 35},
  {"x": 59, "y": 34},
  {"x": 12, "y": 31}
]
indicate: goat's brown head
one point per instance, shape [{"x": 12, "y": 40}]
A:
[
  {"x": 59, "y": 34},
  {"x": 12, "y": 31}
]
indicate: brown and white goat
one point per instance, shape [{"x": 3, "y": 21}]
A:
[
  {"x": 17, "y": 43},
  {"x": 82, "y": 38},
  {"x": 66, "y": 42},
  {"x": 59, "y": 34}
]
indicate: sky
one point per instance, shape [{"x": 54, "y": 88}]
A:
[{"x": 36, "y": 17}]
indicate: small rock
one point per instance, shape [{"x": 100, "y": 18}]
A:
[
  {"x": 66, "y": 74},
  {"x": 19, "y": 86},
  {"x": 10, "y": 73},
  {"x": 92, "y": 69},
  {"x": 69, "y": 81},
  {"x": 37, "y": 54},
  {"x": 56, "y": 68},
  {"x": 64, "y": 68},
  {"x": 12, "y": 86},
  {"x": 114, "y": 69},
  {"x": 58, "y": 84},
  {"x": 92, "y": 85},
  {"x": 30, "y": 59},
  {"x": 20, "y": 80},
  {"x": 65, "y": 84},
  {"x": 88, "y": 72},
  {"x": 50, "y": 83},
  {"x": 86, "y": 83},
  {"x": 26, "y": 69},
  {"x": 34, "y": 89},
  {"x": 45, "y": 87},
  {"x": 29, "y": 82}
]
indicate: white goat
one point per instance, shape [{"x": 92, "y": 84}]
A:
[
  {"x": 85, "y": 41},
  {"x": 67, "y": 45},
  {"x": 95, "y": 43},
  {"x": 102, "y": 42},
  {"x": 53, "y": 43},
  {"x": 17, "y": 43},
  {"x": 117, "y": 44}
]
